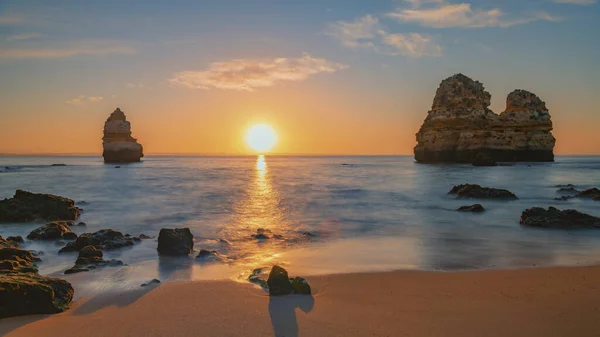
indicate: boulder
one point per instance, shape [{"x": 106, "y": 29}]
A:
[
  {"x": 483, "y": 160},
  {"x": 589, "y": 193},
  {"x": 177, "y": 241},
  {"x": 279, "y": 282},
  {"x": 477, "y": 208},
  {"x": 26, "y": 206},
  {"x": 89, "y": 258},
  {"x": 153, "y": 281},
  {"x": 300, "y": 286},
  {"x": 102, "y": 239},
  {"x": 119, "y": 146},
  {"x": 53, "y": 231},
  {"x": 478, "y": 192},
  {"x": 460, "y": 126},
  {"x": 554, "y": 218}
]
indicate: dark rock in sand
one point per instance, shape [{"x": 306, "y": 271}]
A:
[
  {"x": 555, "y": 218},
  {"x": 53, "y": 231},
  {"x": 178, "y": 241},
  {"x": 102, "y": 239},
  {"x": 590, "y": 193},
  {"x": 279, "y": 282},
  {"x": 153, "y": 281},
  {"x": 473, "y": 208},
  {"x": 300, "y": 286},
  {"x": 483, "y": 160},
  {"x": 478, "y": 192},
  {"x": 26, "y": 206}
]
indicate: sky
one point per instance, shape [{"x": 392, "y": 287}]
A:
[{"x": 330, "y": 76}]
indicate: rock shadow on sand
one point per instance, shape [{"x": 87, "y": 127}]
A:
[{"x": 282, "y": 310}]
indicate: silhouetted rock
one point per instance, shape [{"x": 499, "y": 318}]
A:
[
  {"x": 478, "y": 192},
  {"x": 15, "y": 240},
  {"x": 81, "y": 224},
  {"x": 300, "y": 286},
  {"x": 178, "y": 241},
  {"x": 58, "y": 165},
  {"x": 119, "y": 146},
  {"x": 102, "y": 239},
  {"x": 153, "y": 281},
  {"x": 554, "y": 218},
  {"x": 483, "y": 160},
  {"x": 53, "y": 231},
  {"x": 590, "y": 193},
  {"x": 279, "y": 282},
  {"x": 567, "y": 190},
  {"x": 89, "y": 258},
  {"x": 460, "y": 126},
  {"x": 473, "y": 208},
  {"x": 27, "y": 206},
  {"x": 144, "y": 237}
]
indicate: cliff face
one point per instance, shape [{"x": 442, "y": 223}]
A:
[
  {"x": 119, "y": 146},
  {"x": 460, "y": 126}
]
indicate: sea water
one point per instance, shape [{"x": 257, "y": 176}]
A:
[{"x": 331, "y": 214}]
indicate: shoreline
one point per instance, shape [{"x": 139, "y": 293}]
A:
[{"x": 544, "y": 301}]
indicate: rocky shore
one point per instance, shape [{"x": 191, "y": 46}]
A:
[{"x": 460, "y": 127}]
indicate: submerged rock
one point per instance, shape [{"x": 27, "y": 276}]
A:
[
  {"x": 53, "y": 231},
  {"x": 483, "y": 160},
  {"x": 119, "y": 146},
  {"x": 461, "y": 126},
  {"x": 102, "y": 239},
  {"x": 473, "y": 208},
  {"x": 23, "y": 291},
  {"x": 555, "y": 218},
  {"x": 177, "y": 241},
  {"x": 478, "y": 192},
  {"x": 26, "y": 206}
]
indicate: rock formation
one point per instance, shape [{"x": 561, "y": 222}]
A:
[
  {"x": 26, "y": 206},
  {"x": 102, "y": 239},
  {"x": 460, "y": 126},
  {"x": 478, "y": 192},
  {"x": 555, "y": 218},
  {"x": 178, "y": 241},
  {"x": 119, "y": 146}
]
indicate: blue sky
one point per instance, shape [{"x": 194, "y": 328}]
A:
[{"x": 332, "y": 76}]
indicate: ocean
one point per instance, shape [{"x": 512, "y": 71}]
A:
[{"x": 330, "y": 214}]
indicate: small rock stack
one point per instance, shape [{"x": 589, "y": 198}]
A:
[{"x": 119, "y": 146}]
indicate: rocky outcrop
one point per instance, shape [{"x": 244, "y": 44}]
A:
[
  {"x": 478, "y": 192},
  {"x": 178, "y": 241},
  {"x": 477, "y": 208},
  {"x": 119, "y": 146},
  {"x": 89, "y": 258},
  {"x": 460, "y": 126},
  {"x": 590, "y": 193},
  {"x": 555, "y": 218},
  {"x": 53, "y": 231},
  {"x": 25, "y": 292},
  {"x": 280, "y": 284},
  {"x": 102, "y": 239},
  {"x": 26, "y": 206}
]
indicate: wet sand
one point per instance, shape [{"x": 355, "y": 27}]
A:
[{"x": 526, "y": 302}]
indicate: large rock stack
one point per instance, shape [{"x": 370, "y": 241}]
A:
[
  {"x": 119, "y": 146},
  {"x": 460, "y": 126}
]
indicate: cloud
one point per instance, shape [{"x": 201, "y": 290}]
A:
[
  {"x": 81, "y": 99},
  {"x": 576, "y": 2},
  {"x": 367, "y": 32},
  {"x": 462, "y": 15},
  {"x": 67, "y": 50},
  {"x": 134, "y": 85},
  {"x": 357, "y": 33},
  {"x": 413, "y": 44},
  {"x": 419, "y": 3},
  {"x": 23, "y": 36},
  {"x": 250, "y": 74}
]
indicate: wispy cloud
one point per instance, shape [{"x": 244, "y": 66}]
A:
[
  {"x": 66, "y": 50},
  {"x": 82, "y": 99},
  {"x": 367, "y": 32},
  {"x": 250, "y": 74},
  {"x": 576, "y": 2},
  {"x": 134, "y": 85},
  {"x": 23, "y": 36},
  {"x": 463, "y": 15}
]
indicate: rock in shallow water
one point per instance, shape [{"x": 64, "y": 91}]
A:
[
  {"x": 460, "y": 126},
  {"x": 473, "y": 208},
  {"x": 478, "y": 192},
  {"x": 102, "y": 239},
  {"x": 279, "y": 282},
  {"x": 153, "y": 281},
  {"x": 26, "y": 206},
  {"x": 90, "y": 257},
  {"x": 589, "y": 193},
  {"x": 483, "y": 160},
  {"x": 555, "y": 218},
  {"x": 53, "y": 231},
  {"x": 177, "y": 241}
]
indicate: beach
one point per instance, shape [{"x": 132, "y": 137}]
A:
[{"x": 558, "y": 301}]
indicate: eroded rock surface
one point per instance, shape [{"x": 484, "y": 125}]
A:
[
  {"x": 119, "y": 146},
  {"x": 26, "y": 206}
]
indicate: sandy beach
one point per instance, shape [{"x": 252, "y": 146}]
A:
[{"x": 525, "y": 302}]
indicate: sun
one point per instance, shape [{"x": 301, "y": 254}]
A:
[{"x": 261, "y": 138}]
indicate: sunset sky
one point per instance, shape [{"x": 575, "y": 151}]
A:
[{"x": 331, "y": 77}]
